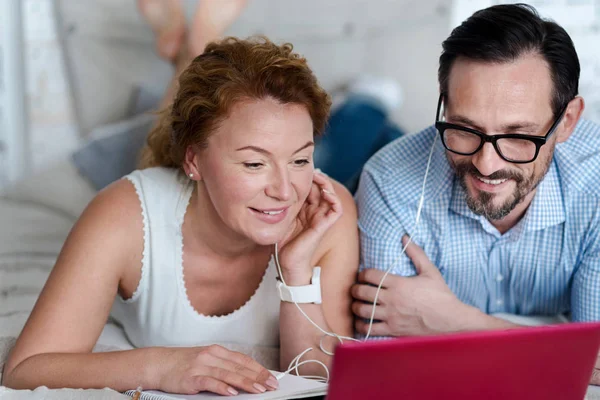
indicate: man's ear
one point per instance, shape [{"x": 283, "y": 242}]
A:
[
  {"x": 191, "y": 164},
  {"x": 570, "y": 119}
]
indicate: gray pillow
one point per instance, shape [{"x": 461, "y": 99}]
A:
[{"x": 113, "y": 150}]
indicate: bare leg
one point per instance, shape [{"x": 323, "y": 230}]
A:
[
  {"x": 167, "y": 21},
  {"x": 211, "y": 19}
]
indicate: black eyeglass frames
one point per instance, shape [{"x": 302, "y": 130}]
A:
[{"x": 514, "y": 148}]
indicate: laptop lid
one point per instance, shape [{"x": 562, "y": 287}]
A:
[{"x": 549, "y": 362}]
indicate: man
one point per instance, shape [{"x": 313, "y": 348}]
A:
[{"x": 511, "y": 215}]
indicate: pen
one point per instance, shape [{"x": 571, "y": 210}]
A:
[{"x": 138, "y": 393}]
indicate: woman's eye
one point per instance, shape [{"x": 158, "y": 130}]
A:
[
  {"x": 301, "y": 163},
  {"x": 253, "y": 165}
]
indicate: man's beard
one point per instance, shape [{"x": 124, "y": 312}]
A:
[{"x": 483, "y": 202}]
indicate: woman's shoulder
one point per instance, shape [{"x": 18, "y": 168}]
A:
[
  {"x": 127, "y": 204},
  {"x": 124, "y": 203},
  {"x": 108, "y": 235},
  {"x": 116, "y": 206}
]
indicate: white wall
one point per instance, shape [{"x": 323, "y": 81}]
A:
[{"x": 110, "y": 55}]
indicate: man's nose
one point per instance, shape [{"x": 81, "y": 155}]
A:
[{"x": 487, "y": 160}]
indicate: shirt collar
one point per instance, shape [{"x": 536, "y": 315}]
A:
[
  {"x": 545, "y": 210},
  {"x": 439, "y": 176}
]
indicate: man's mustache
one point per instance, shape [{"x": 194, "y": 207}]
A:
[{"x": 464, "y": 169}]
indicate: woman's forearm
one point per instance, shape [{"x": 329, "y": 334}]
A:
[
  {"x": 297, "y": 334},
  {"x": 119, "y": 370}
]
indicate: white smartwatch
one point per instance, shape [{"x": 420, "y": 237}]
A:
[{"x": 302, "y": 294}]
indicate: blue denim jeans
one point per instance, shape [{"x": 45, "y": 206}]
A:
[{"x": 356, "y": 130}]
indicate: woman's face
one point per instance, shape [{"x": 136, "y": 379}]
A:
[{"x": 258, "y": 168}]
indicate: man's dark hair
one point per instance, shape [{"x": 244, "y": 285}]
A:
[{"x": 503, "y": 33}]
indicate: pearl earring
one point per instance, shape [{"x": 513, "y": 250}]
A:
[{"x": 191, "y": 175}]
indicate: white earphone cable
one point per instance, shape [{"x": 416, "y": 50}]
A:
[{"x": 295, "y": 363}]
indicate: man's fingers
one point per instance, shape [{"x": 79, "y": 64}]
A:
[
  {"x": 415, "y": 253},
  {"x": 372, "y": 276},
  {"x": 367, "y": 293},
  {"x": 595, "y": 377},
  {"x": 364, "y": 310},
  {"x": 422, "y": 263},
  {"x": 378, "y": 328}
]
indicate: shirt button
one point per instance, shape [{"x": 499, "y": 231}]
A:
[
  {"x": 499, "y": 278},
  {"x": 499, "y": 302}
]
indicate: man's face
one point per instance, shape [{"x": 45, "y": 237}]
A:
[{"x": 499, "y": 99}]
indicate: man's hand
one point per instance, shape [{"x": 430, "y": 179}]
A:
[
  {"x": 418, "y": 305},
  {"x": 596, "y": 374}
]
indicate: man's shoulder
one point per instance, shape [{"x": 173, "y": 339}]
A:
[
  {"x": 399, "y": 168},
  {"x": 404, "y": 154},
  {"x": 578, "y": 159}
]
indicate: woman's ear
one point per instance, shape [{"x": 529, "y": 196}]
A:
[
  {"x": 570, "y": 119},
  {"x": 191, "y": 164}
]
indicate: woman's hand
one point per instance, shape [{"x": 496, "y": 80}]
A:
[
  {"x": 319, "y": 212},
  {"x": 213, "y": 369}
]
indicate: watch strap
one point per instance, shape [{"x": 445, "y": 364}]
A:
[{"x": 302, "y": 294}]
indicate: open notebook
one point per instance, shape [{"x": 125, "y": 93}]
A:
[{"x": 290, "y": 387}]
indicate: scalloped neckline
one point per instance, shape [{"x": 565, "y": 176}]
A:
[{"x": 182, "y": 208}]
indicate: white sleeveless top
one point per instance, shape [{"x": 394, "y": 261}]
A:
[{"x": 159, "y": 313}]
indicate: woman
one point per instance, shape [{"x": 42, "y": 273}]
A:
[{"x": 186, "y": 246}]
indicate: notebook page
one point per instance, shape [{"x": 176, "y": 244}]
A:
[{"x": 290, "y": 386}]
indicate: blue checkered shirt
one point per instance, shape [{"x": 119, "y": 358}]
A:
[{"x": 547, "y": 264}]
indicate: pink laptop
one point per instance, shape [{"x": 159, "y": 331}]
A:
[{"x": 550, "y": 362}]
